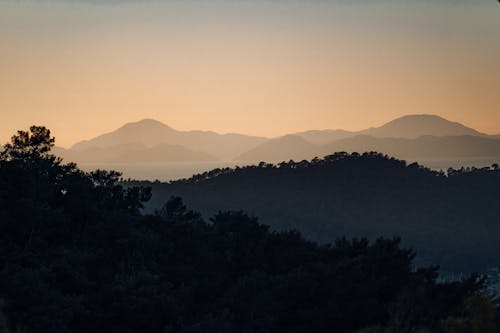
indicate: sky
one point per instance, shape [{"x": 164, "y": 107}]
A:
[{"x": 259, "y": 67}]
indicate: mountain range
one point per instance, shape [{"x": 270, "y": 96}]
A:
[
  {"x": 149, "y": 133},
  {"x": 409, "y": 127},
  {"x": 135, "y": 153},
  {"x": 411, "y": 136}
]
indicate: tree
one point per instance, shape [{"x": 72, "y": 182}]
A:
[
  {"x": 28, "y": 144},
  {"x": 79, "y": 257},
  {"x": 175, "y": 210}
]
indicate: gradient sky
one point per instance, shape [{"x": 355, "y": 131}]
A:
[{"x": 256, "y": 67}]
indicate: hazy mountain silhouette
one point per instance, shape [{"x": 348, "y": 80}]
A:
[
  {"x": 465, "y": 146},
  {"x": 149, "y": 133},
  {"x": 135, "y": 153},
  {"x": 283, "y": 148},
  {"x": 410, "y": 127},
  {"x": 146, "y": 132},
  {"x": 165, "y": 153},
  {"x": 414, "y": 126},
  {"x": 424, "y": 146},
  {"x": 412, "y": 136},
  {"x": 320, "y": 137}
]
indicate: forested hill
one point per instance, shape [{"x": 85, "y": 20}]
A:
[
  {"x": 77, "y": 256},
  {"x": 450, "y": 218}
]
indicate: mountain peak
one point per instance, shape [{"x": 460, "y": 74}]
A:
[
  {"x": 147, "y": 123},
  {"x": 421, "y": 117},
  {"x": 280, "y": 149},
  {"x": 146, "y": 131},
  {"x": 150, "y": 132},
  {"x": 416, "y": 125}
]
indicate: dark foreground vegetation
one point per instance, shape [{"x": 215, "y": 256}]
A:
[
  {"x": 76, "y": 255},
  {"x": 450, "y": 218}
]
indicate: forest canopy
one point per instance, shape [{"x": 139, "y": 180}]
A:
[
  {"x": 77, "y": 255},
  {"x": 450, "y": 218}
]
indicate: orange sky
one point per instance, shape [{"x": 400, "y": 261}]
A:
[{"x": 263, "y": 67}]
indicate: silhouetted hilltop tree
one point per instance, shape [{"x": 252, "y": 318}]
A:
[{"x": 76, "y": 256}]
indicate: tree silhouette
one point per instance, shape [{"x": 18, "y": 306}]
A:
[
  {"x": 78, "y": 254},
  {"x": 30, "y": 144}
]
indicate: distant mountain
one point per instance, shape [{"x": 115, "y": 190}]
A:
[
  {"x": 414, "y": 126},
  {"x": 280, "y": 149},
  {"x": 146, "y": 132},
  {"x": 319, "y": 137},
  {"x": 136, "y": 153},
  {"x": 449, "y": 147},
  {"x": 149, "y": 133},
  {"x": 410, "y": 127},
  {"x": 164, "y": 153},
  {"x": 411, "y": 136},
  {"x": 423, "y": 147}
]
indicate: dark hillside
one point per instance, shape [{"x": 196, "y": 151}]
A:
[
  {"x": 451, "y": 219},
  {"x": 76, "y": 256}
]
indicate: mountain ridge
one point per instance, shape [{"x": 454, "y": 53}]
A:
[
  {"x": 408, "y": 126},
  {"x": 411, "y": 136},
  {"x": 287, "y": 147},
  {"x": 404, "y": 138},
  {"x": 152, "y": 132},
  {"x": 417, "y": 125},
  {"x": 426, "y": 146},
  {"x": 135, "y": 153}
]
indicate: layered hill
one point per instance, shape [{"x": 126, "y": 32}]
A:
[
  {"x": 414, "y": 136},
  {"x": 409, "y": 127},
  {"x": 149, "y": 132},
  {"x": 445, "y": 147},
  {"x": 288, "y": 147},
  {"x": 414, "y": 126},
  {"x": 320, "y": 137},
  {"x": 135, "y": 153},
  {"x": 463, "y": 146}
]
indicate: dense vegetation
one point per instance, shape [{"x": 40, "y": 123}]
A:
[
  {"x": 452, "y": 218},
  {"x": 76, "y": 255}
]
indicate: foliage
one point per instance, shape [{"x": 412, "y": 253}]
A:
[
  {"x": 450, "y": 218},
  {"x": 76, "y": 256}
]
